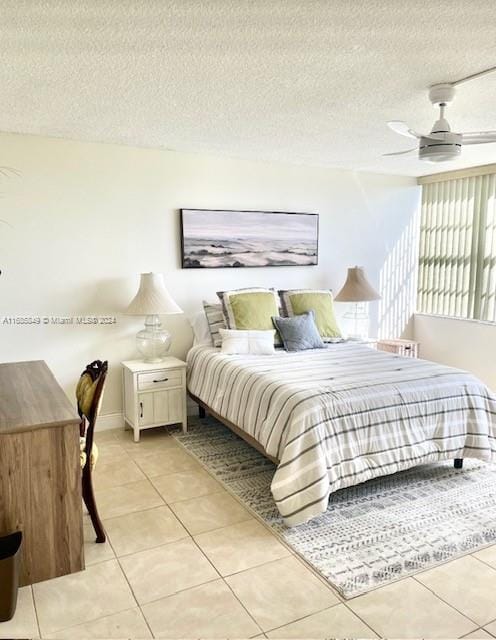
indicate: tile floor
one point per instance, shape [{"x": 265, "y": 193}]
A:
[{"x": 184, "y": 559}]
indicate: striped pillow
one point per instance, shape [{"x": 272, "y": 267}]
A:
[{"x": 215, "y": 320}]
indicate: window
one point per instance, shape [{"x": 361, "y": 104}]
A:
[{"x": 457, "y": 270}]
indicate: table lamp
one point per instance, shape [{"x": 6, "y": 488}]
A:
[
  {"x": 152, "y": 300},
  {"x": 357, "y": 289}
]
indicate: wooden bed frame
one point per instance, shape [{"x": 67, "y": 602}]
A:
[{"x": 203, "y": 409}]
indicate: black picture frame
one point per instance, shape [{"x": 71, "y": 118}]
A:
[{"x": 188, "y": 262}]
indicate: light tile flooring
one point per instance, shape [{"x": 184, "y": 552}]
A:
[{"x": 184, "y": 559}]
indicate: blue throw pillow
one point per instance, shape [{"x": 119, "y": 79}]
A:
[{"x": 299, "y": 332}]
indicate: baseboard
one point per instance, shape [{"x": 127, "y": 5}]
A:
[{"x": 108, "y": 421}]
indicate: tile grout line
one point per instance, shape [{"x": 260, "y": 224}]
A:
[
  {"x": 291, "y": 621},
  {"x": 475, "y": 631},
  {"x": 127, "y": 581},
  {"x": 290, "y": 549},
  {"x": 277, "y": 536},
  {"x": 259, "y": 518},
  {"x": 487, "y": 623},
  {"x": 82, "y": 624},
  {"x": 177, "y": 435},
  {"x": 190, "y": 536},
  {"x": 487, "y": 564},
  {"x": 320, "y": 611},
  {"x": 124, "y": 573},
  {"x": 367, "y": 624},
  {"x": 99, "y": 618},
  {"x": 175, "y": 593},
  {"x": 213, "y": 493},
  {"x": 227, "y": 584},
  {"x": 133, "y": 553},
  {"x": 464, "y": 615},
  {"x": 134, "y": 596},
  {"x": 295, "y": 553},
  {"x": 35, "y": 611},
  {"x": 146, "y": 479},
  {"x": 252, "y": 512},
  {"x": 129, "y": 513}
]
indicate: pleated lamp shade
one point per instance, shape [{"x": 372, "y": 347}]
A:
[
  {"x": 357, "y": 288},
  {"x": 152, "y": 298}
]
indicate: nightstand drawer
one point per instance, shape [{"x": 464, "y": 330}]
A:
[{"x": 160, "y": 379}]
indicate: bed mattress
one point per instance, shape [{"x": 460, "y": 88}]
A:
[{"x": 339, "y": 416}]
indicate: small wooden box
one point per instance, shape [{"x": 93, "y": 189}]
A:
[{"x": 406, "y": 348}]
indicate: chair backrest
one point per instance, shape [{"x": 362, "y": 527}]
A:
[{"x": 89, "y": 393}]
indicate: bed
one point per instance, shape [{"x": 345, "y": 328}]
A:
[{"x": 335, "y": 417}]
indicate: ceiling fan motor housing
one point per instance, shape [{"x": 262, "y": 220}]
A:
[
  {"x": 442, "y": 150},
  {"x": 441, "y": 94}
]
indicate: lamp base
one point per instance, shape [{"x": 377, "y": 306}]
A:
[
  {"x": 153, "y": 342},
  {"x": 360, "y": 316},
  {"x": 355, "y": 338}
]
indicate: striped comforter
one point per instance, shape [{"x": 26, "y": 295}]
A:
[{"x": 336, "y": 417}]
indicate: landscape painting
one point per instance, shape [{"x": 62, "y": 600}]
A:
[{"x": 214, "y": 239}]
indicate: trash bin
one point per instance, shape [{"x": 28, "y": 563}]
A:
[{"x": 10, "y": 556}]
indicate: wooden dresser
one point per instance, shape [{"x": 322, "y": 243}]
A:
[{"x": 40, "y": 472}]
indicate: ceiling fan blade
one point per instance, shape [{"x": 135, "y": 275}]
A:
[
  {"x": 478, "y": 137},
  {"x": 400, "y": 153},
  {"x": 398, "y": 126},
  {"x": 478, "y": 134},
  {"x": 467, "y": 141}
]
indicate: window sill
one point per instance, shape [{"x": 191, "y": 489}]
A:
[{"x": 455, "y": 318}]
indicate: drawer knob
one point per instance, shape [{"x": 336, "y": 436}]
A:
[{"x": 161, "y": 380}]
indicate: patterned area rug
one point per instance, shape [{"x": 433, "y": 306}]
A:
[{"x": 372, "y": 534}]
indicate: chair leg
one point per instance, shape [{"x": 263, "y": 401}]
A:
[
  {"x": 458, "y": 463},
  {"x": 201, "y": 411},
  {"x": 89, "y": 501}
]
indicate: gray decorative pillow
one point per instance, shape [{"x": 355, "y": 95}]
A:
[
  {"x": 215, "y": 321},
  {"x": 299, "y": 332}
]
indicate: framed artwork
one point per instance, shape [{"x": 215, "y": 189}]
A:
[{"x": 211, "y": 239}]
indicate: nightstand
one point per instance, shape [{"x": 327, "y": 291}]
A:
[
  {"x": 406, "y": 348},
  {"x": 154, "y": 394}
]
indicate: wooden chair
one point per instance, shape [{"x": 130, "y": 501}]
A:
[{"x": 89, "y": 394}]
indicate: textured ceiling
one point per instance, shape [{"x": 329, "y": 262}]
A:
[{"x": 295, "y": 81}]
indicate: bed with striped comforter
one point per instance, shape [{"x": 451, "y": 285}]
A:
[{"x": 339, "y": 416}]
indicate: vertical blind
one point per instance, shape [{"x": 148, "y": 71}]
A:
[{"x": 457, "y": 270}]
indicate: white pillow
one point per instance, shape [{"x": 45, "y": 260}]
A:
[
  {"x": 201, "y": 331},
  {"x": 243, "y": 342}
]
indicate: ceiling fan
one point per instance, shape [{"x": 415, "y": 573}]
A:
[{"x": 442, "y": 144}]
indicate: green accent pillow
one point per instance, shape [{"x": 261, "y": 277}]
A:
[
  {"x": 250, "y": 309},
  {"x": 298, "y": 301}
]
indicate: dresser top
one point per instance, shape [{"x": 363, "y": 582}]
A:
[{"x": 31, "y": 398}]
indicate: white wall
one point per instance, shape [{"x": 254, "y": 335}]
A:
[
  {"x": 465, "y": 344},
  {"x": 84, "y": 219}
]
